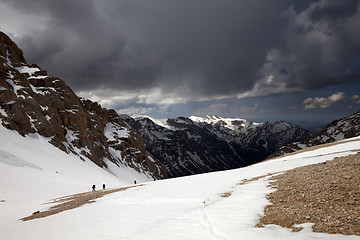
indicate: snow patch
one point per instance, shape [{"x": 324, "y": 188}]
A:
[
  {"x": 12, "y": 160},
  {"x": 42, "y": 90},
  {"x": 15, "y": 87},
  {"x": 44, "y": 109},
  {"x": 38, "y": 77},
  {"x": 127, "y": 173},
  {"x": 114, "y": 132},
  {"x": 3, "y": 113},
  {"x": 28, "y": 70},
  {"x": 10, "y": 102},
  {"x": 71, "y": 135}
]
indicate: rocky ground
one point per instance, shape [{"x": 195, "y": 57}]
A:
[
  {"x": 326, "y": 194},
  {"x": 73, "y": 201}
]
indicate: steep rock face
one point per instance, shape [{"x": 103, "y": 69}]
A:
[
  {"x": 33, "y": 102},
  {"x": 197, "y": 145},
  {"x": 347, "y": 127}
]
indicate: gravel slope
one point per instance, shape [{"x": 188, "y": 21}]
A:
[{"x": 326, "y": 194}]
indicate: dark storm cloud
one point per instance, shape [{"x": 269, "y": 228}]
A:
[
  {"x": 209, "y": 47},
  {"x": 212, "y": 47},
  {"x": 334, "y": 11},
  {"x": 76, "y": 45},
  {"x": 322, "y": 45}
]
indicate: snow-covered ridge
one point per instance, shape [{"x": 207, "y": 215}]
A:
[
  {"x": 160, "y": 122},
  {"x": 230, "y": 123}
]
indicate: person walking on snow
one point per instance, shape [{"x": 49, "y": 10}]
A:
[{"x": 93, "y": 188}]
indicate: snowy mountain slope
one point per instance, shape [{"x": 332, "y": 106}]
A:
[
  {"x": 344, "y": 128},
  {"x": 34, "y": 102},
  {"x": 37, "y": 167},
  {"x": 32, "y": 171},
  {"x": 195, "y": 145},
  {"x": 219, "y": 205}
]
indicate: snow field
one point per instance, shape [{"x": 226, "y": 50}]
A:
[
  {"x": 32, "y": 171},
  {"x": 182, "y": 208}
]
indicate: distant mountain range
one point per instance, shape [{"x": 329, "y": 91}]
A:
[
  {"x": 204, "y": 144},
  {"x": 346, "y": 127}
]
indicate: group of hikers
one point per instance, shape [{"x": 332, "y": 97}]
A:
[{"x": 93, "y": 186}]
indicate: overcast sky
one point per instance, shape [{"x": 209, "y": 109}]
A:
[{"x": 256, "y": 59}]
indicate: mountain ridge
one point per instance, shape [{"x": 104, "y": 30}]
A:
[
  {"x": 211, "y": 143},
  {"x": 340, "y": 129},
  {"x": 33, "y": 102}
]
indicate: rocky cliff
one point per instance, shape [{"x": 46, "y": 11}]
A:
[{"x": 34, "y": 102}]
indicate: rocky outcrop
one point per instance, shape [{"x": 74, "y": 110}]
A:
[
  {"x": 347, "y": 127},
  {"x": 34, "y": 102},
  {"x": 9, "y": 49}
]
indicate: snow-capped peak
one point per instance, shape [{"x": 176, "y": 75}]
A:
[
  {"x": 230, "y": 123},
  {"x": 159, "y": 122}
]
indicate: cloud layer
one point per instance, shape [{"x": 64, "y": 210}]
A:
[
  {"x": 321, "y": 102},
  {"x": 169, "y": 51}
]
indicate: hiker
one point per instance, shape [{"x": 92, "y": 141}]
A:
[
  {"x": 135, "y": 182},
  {"x": 104, "y": 186},
  {"x": 93, "y": 188}
]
